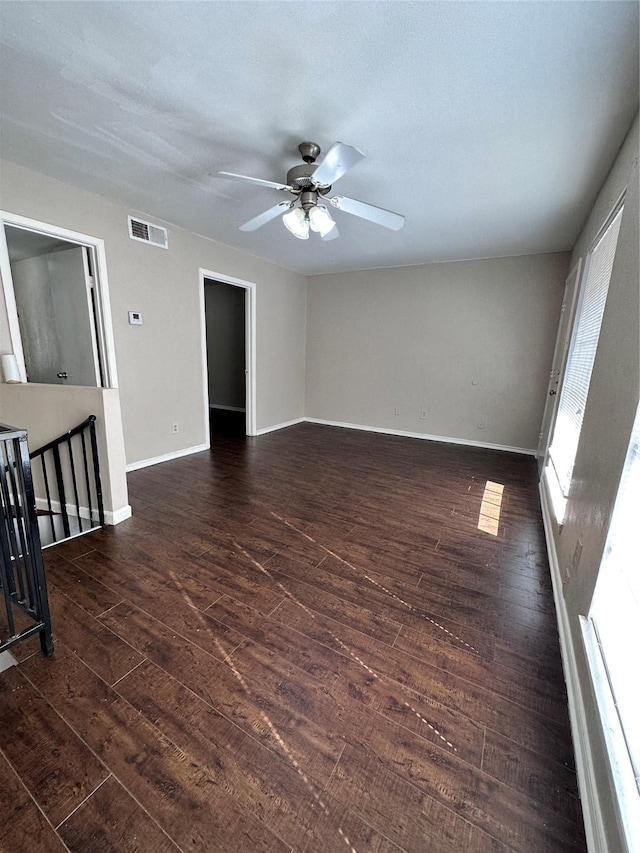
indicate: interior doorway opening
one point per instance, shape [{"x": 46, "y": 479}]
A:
[
  {"x": 226, "y": 356},
  {"x": 228, "y": 353},
  {"x": 57, "y": 302}
]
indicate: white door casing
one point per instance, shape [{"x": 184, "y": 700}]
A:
[{"x": 250, "y": 347}]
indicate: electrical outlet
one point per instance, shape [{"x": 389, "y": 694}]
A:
[
  {"x": 396, "y": 411},
  {"x": 174, "y": 429},
  {"x": 480, "y": 424},
  {"x": 423, "y": 414}
]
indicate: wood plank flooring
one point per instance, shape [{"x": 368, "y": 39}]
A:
[{"x": 300, "y": 642}]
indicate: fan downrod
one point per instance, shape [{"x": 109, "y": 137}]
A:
[{"x": 300, "y": 177}]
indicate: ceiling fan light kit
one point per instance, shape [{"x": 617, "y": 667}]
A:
[
  {"x": 320, "y": 220},
  {"x": 297, "y": 222},
  {"x": 310, "y": 181}
]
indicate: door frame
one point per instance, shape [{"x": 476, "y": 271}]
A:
[
  {"x": 249, "y": 343},
  {"x": 101, "y": 288}
]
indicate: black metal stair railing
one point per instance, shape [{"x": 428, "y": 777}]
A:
[
  {"x": 68, "y": 473},
  {"x": 22, "y": 581}
]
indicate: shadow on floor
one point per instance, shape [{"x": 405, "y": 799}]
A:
[{"x": 227, "y": 424}]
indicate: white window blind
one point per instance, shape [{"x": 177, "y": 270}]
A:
[{"x": 575, "y": 386}]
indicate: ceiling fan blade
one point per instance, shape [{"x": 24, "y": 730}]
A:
[
  {"x": 262, "y": 218},
  {"x": 379, "y": 215},
  {"x": 338, "y": 159},
  {"x": 271, "y": 184},
  {"x": 332, "y": 234}
]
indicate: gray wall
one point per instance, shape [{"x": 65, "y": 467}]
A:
[
  {"x": 51, "y": 298},
  {"x": 606, "y": 430},
  {"x": 34, "y": 300},
  {"x": 225, "y": 312},
  {"x": 160, "y": 365},
  {"x": 467, "y": 343}
]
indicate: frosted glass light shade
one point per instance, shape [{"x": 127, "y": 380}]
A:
[
  {"x": 296, "y": 221},
  {"x": 320, "y": 220}
]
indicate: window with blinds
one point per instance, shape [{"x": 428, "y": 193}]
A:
[
  {"x": 612, "y": 638},
  {"x": 615, "y": 610},
  {"x": 575, "y": 386}
]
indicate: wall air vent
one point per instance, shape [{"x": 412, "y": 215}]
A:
[{"x": 146, "y": 232}]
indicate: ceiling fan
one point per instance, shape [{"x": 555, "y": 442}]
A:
[{"x": 310, "y": 184}]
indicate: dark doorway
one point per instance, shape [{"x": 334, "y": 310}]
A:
[{"x": 226, "y": 348}]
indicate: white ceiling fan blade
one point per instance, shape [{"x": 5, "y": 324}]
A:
[
  {"x": 271, "y": 184},
  {"x": 262, "y": 218},
  {"x": 331, "y": 235},
  {"x": 338, "y": 159},
  {"x": 379, "y": 215}
]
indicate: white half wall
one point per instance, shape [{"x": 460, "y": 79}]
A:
[
  {"x": 462, "y": 350},
  {"x": 47, "y": 411}
]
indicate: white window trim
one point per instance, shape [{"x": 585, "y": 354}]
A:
[
  {"x": 621, "y": 770},
  {"x": 558, "y": 499}
]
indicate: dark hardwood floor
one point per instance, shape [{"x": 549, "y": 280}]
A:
[{"x": 301, "y": 641}]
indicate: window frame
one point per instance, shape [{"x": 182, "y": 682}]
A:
[
  {"x": 558, "y": 497},
  {"x": 104, "y": 322}
]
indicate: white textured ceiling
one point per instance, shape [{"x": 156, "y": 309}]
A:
[{"x": 489, "y": 125}]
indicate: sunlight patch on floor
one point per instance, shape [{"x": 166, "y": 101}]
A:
[{"x": 489, "y": 518}]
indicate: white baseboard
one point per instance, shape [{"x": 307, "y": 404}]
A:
[
  {"x": 265, "y": 430},
  {"x": 425, "y": 436},
  {"x": 227, "y": 408},
  {"x": 591, "y": 808},
  {"x": 111, "y": 518},
  {"x": 56, "y": 507},
  {"x": 144, "y": 463},
  {"x": 118, "y": 515},
  {"x": 166, "y": 457}
]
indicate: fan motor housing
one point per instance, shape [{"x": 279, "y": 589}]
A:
[
  {"x": 301, "y": 178},
  {"x": 308, "y": 199}
]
